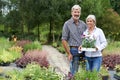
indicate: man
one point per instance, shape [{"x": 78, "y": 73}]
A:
[{"x": 71, "y": 37}]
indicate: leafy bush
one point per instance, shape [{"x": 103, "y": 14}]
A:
[
  {"x": 104, "y": 71},
  {"x": 32, "y": 46},
  {"x": 8, "y": 52},
  {"x": 109, "y": 21},
  {"x": 33, "y": 56},
  {"x": 33, "y": 72},
  {"x": 61, "y": 49},
  {"x": 117, "y": 68},
  {"x": 88, "y": 41},
  {"x": 87, "y": 75},
  {"x": 111, "y": 61},
  {"x": 4, "y": 43},
  {"x": 22, "y": 43},
  {"x": 16, "y": 49},
  {"x": 8, "y": 56},
  {"x": 112, "y": 48},
  {"x": 59, "y": 46},
  {"x": 54, "y": 44}
]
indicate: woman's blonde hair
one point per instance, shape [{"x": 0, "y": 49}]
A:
[{"x": 92, "y": 17}]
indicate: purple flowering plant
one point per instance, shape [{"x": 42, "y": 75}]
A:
[{"x": 88, "y": 41}]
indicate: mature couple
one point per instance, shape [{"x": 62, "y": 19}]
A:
[{"x": 73, "y": 29}]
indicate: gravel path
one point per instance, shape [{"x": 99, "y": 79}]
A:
[{"x": 57, "y": 60}]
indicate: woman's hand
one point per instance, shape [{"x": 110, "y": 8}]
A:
[
  {"x": 79, "y": 48},
  {"x": 96, "y": 48}
]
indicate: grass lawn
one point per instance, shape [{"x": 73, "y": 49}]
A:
[{"x": 112, "y": 48}]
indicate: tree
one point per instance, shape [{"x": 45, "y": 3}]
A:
[
  {"x": 96, "y": 7},
  {"x": 12, "y": 20},
  {"x": 115, "y": 5}
]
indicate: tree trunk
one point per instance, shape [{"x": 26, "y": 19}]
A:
[
  {"x": 38, "y": 34},
  {"x": 50, "y": 36}
]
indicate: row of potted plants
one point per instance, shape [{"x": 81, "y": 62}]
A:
[
  {"x": 33, "y": 71},
  {"x": 32, "y": 60}
]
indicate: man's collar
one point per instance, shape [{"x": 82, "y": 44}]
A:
[{"x": 72, "y": 20}]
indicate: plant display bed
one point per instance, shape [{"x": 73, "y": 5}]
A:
[
  {"x": 105, "y": 77},
  {"x": 116, "y": 77}
]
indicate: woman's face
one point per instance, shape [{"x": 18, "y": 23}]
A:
[
  {"x": 90, "y": 22},
  {"x": 75, "y": 14}
]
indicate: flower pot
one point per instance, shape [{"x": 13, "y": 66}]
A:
[
  {"x": 88, "y": 49},
  {"x": 116, "y": 77},
  {"x": 5, "y": 64},
  {"x": 105, "y": 77},
  {"x": 111, "y": 73}
]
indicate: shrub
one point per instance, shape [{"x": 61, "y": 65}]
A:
[
  {"x": 104, "y": 71},
  {"x": 61, "y": 49},
  {"x": 33, "y": 72},
  {"x": 54, "y": 44},
  {"x": 16, "y": 49},
  {"x": 112, "y": 48},
  {"x": 8, "y": 56},
  {"x": 117, "y": 68},
  {"x": 5, "y": 44},
  {"x": 87, "y": 75},
  {"x": 33, "y": 56},
  {"x": 22, "y": 43},
  {"x": 32, "y": 46},
  {"x": 111, "y": 60}
]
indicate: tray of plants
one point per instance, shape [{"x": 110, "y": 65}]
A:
[
  {"x": 88, "y": 43},
  {"x": 88, "y": 49}
]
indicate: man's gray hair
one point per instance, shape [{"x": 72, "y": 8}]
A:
[{"x": 76, "y": 7}]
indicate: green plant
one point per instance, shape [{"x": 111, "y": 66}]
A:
[
  {"x": 16, "y": 48},
  {"x": 8, "y": 56},
  {"x": 33, "y": 71},
  {"x": 5, "y": 44},
  {"x": 87, "y": 75},
  {"x": 104, "y": 71},
  {"x": 88, "y": 41},
  {"x": 112, "y": 48},
  {"x": 61, "y": 49},
  {"x": 117, "y": 74},
  {"x": 117, "y": 68},
  {"x": 32, "y": 46},
  {"x": 54, "y": 44}
]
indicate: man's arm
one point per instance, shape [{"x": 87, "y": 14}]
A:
[{"x": 65, "y": 45}]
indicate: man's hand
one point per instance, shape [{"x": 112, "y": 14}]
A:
[{"x": 70, "y": 57}]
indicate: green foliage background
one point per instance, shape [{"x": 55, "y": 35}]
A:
[{"x": 44, "y": 20}]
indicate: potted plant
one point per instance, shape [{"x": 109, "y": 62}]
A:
[
  {"x": 88, "y": 43},
  {"x": 87, "y": 75},
  {"x": 117, "y": 69},
  {"x": 104, "y": 73}
]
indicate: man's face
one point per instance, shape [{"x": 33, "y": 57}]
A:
[{"x": 76, "y": 14}]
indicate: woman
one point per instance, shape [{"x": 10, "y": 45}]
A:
[{"x": 94, "y": 58}]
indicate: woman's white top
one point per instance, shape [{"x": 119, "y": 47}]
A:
[{"x": 100, "y": 43}]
